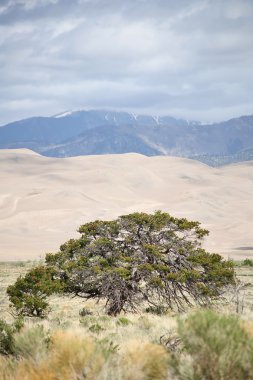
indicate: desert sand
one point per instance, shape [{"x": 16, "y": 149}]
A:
[{"x": 44, "y": 200}]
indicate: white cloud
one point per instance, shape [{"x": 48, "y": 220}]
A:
[
  {"x": 191, "y": 58},
  {"x": 236, "y": 9},
  {"x": 26, "y": 4}
]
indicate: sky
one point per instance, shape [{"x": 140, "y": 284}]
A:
[{"x": 191, "y": 59}]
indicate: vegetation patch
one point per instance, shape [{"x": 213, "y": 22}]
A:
[
  {"x": 136, "y": 259},
  {"x": 146, "y": 257}
]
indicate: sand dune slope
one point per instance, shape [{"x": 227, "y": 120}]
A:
[{"x": 44, "y": 200}]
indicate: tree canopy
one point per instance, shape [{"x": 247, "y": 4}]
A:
[{"x": 153, "y": 259}]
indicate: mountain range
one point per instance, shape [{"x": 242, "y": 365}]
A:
[{"x": 94, "y": 132}]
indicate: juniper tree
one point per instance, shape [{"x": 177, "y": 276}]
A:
[
  {"x": 29, "y": 294},
  {"x": 139, "y": 258}
]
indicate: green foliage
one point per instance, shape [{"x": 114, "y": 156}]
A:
[
  {"x": 123, "y": 321},
  {"x": 84, "y": 312},
  {"x": 6, "y": 338},
  {"x": 158, "y": 310},
  {"x": 32, "y": 343},
  {"x": 108, "y": 347},
  {"x": 96, "y": 328},
  {"x": 216, "y": 347},
  {"x": 153, "y": 258},
  {"x": 28, "y": 294},
  {"x": 248, "y": 262},
  {"x": 7, "y": 331},
  {"x": 18, "y": 324}
]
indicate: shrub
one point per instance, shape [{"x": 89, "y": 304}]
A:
[
  {"x": 18, "y": 324},
  {"x": 96, "y": 328},
  {"x": 158, "y": 310},
  {"x": 84, "y": 312},
  {"x": 216, "y": 348},
  {"x": 28, "y": 294},
  {"x": 123, "y": 321},
  {"x": 108, "y": 347},
  {"x": 248, "y": 262},
  {"x": 75, "y": 356},
  {"x": 70, "y": 356},
  {"x": 7, "y": 335},
  {"x": 32, "y": 343},
  {"x": 148, "y": 362},
  {"x": 6, "y": 338}
]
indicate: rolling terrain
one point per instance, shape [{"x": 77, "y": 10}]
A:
[{"x": 44, "y": 200}]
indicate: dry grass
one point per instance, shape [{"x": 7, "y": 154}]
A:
[
  {"x": 148, "y": 361},
  {"x": 90, "y": 347},
  {"x": 68, "y": 346}
]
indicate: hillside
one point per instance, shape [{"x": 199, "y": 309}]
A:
[{"x": 89, "y": 132}]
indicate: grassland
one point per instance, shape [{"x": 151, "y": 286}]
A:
[{"x": 67, "y": 345}]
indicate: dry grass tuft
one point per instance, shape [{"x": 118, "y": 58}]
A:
[
  {"x": 144, "y": 361},
  {"x": 70, "y": 356}
]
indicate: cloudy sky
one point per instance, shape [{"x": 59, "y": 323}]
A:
[{"x": 185, "y": 58}]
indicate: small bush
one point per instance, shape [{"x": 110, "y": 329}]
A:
[
  {"x": 96, "y": 328},
  {"x": 70, "y": 356},
  {"x": 147, "y": 362},
  {"x": 248, "y": 262},
  {"x": 32, "y": 343},
  {"x": 123, "y": 321},
  {"x": 84, "y": 312},
  {"x": 158, "y": 310},
  {"x": 28, "y": 294},
  {"x": 18, "y": 324},
  {"x": 108, "y": 347},
  {"x": 6, "y": 338},
  {"x": 216, "y": 348}
]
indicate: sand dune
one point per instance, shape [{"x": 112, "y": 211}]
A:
[{"x": 44, "y": 200}]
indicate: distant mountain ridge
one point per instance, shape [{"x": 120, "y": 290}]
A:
[{"x": 87, "y": 132}]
